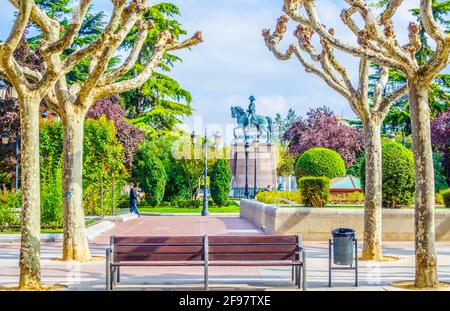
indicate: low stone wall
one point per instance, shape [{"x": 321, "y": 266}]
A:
[{"x": 315, "y": 224}]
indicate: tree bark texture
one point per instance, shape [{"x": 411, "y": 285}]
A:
[
  {"x": 75, "y": 244},
  {"x": 29, "y": 262},
  {"x": 426, "y": 261},
  {"x": 372, "y": 249}
]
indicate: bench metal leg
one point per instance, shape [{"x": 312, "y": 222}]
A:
[
  {"x": 293, "y": 274},
  {"x": 118, "y": 274},
  {"x": 299, "y": 277},
  {"x": 206, "y": 277},
  {"x": 296, "y": 279},
  {"x": 356, "y": 262},
  {"x": 108, "y": 270},
  {"x": 114, "y": 278},
  {"x": 206, "y": 259},
  {"x": 303, "y": 267}
]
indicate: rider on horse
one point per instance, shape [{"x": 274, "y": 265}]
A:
[{"x": 251, "y": 111}]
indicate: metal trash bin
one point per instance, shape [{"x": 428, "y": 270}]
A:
[{"x": 343, "y": 249}]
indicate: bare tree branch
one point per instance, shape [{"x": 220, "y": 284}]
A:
[
  {"x": 7, "y": 48},
  {"x": 143, "y": 29},
  {"x": 72, "y": 30}
]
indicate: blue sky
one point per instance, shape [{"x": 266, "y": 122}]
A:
[{"x": 233, "y": 63}]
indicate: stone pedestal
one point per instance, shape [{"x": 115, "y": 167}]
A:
[{"x": 266, "y": 167}]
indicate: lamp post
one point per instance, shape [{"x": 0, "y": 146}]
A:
[
  {"x": 193, "y": 141},
  {"x": 255, "y": 146},
  {"x": 217, "y": 137},
  {"x": 246, "y": 147},
  {"x": 205, "y": 174}
]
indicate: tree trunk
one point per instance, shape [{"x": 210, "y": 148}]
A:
[
  {"x": 426, "y": 261},
  {"x": 373, "y": 192},
  {"x": 75, "y": 245},
  {"x": 29, "y": 262}
]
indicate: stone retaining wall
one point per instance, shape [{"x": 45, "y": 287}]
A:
[{"x": 315, "y": 224}]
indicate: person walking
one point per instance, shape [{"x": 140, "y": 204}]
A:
[{"x": 134, "y": 199}]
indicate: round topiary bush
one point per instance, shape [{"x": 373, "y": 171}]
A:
[
  {"x": 398, "y": 175},
  {"x": 320, "y": 162},
  {"x": 220, "y": 182}
]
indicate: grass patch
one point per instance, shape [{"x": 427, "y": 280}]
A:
[
  {"x": 232, "y": 208},
  {"x": 42, "y": 231},
  {"x": 88, "y": 223}
]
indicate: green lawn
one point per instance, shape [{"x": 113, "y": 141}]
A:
[
  {"x": 232, "y": 208},
  {"x": 88, "y": 223},
  {"x": 42, "y": 231}
]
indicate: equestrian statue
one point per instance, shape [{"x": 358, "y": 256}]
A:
[{"x": 249, "y": 118}]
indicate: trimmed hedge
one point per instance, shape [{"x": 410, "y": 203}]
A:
[
  {"x": 315, "y": 191},
  {"x": 320, "y": 162},
  {"x": 269, "y": 197},
  {"x": 220, "y": 181},
  {"x": 398, "y": 175},
  {"x": 446, "y": 196}
]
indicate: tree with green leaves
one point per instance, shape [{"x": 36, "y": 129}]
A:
[
  {"x": 103, "y": 77},
  {"x": 71, "y": 102},
  {"x": 398, "y": 118},
  {"x": 376, "y": 41},
  {"x": 150, "y": 174},
  {"x": 220, "y": 176},
  {"x": 284, "y": 124}
]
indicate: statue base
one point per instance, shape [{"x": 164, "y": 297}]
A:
[{"x": 266, "y": 168}]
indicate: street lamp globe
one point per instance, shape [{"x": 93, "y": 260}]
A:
[
  {"x": 256, "y": 143},
  {"x": 247, "y": 146},
  {"x": 5, "y": 139},
  {"x": 194, "y": 137},
  {"x": 217, "y": 137}
]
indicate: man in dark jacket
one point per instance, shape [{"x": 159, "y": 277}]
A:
[{"x": 133, "y": 199}]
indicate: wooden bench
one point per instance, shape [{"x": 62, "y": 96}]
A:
[{"x": 205, "y": 251}]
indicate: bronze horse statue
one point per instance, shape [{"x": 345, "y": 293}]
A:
[{"x": 261, "y": 123}]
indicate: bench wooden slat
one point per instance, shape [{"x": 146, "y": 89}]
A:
[
  {"x": 158, "y": 249},
  {"x": 158, "y": 257},
  {"x": 250, "y": 256},
  {"x": 159, "y": 239},
  {"x": 272, "y": 239},
  {"x": 255, "y": 248},
  {"x": 159, "y": 263}
]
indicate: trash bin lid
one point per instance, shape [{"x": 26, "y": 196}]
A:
[{"x": 341, "y": 232}]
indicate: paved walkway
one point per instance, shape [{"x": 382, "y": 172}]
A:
[{"x": 90, "y": 276}]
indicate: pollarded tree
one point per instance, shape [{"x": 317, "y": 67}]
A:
[
  {"x": 31, "y": 86},
  {"x": 72, "y": 102},
  {"x": 370, "y": 111},
  {"x": 376, "y": 42}
]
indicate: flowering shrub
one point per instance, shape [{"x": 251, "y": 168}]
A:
[
  {"x": 347, "y": 198},
  {"x": 270, "y": 197},
  {"x": 9, "y": 219},
  {"x": 446, "y": 197}
]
